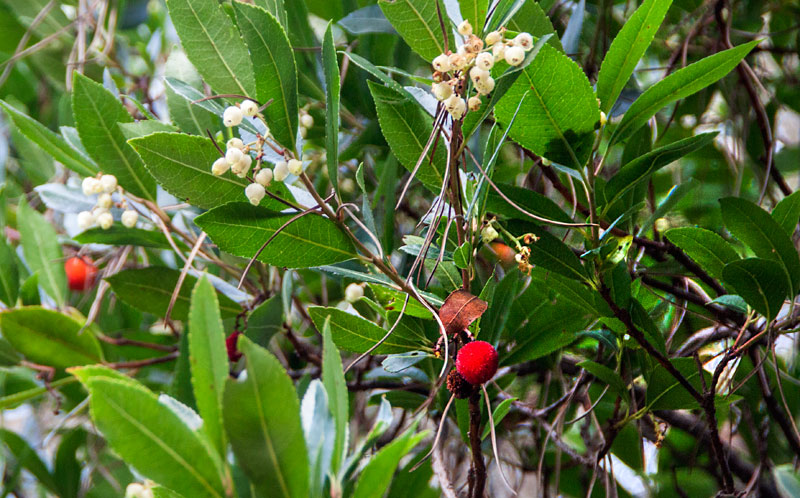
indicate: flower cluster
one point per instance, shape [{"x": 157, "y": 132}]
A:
[
  {"x": 523, "y": 256},
  {"x": 475, "y": 57},
  {"x": 103, "y": 186},
  {"x": 306, "y": 122}
]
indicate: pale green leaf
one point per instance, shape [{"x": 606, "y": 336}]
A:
[
  {"x": 42, "y": 252},
  {"x": 330, "y": 65},
  {"x": 338, "y": 398},
  {"x": 474, "y": 11}
]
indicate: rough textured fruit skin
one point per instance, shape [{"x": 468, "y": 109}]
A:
[
  {"x": 230, "y": 345},
  {"x": 477, "y": 362},
  {"x": 80, "y": 272},
  {"x": 458, "y": 385}
]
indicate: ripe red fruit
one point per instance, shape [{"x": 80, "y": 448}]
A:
[
  {"x": 81, "y": 273},
  {"x": 230, "y": 345},
  {"x": 477, "y": 362}
]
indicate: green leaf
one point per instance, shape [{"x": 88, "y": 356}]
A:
[
  {"x": 330, "y": 66},
  {"x": 462, "y": 255},
  {"x": 150, "y": 289},
  {"x": 262, "y": 417},
  {"x": 644, "y": 322},
  {"x": 705, "y": 247},
  {"x": 418, "y": 24},
  {"x": 552, "y": 123},
  {"x": 213, "y": 45},
  {"x": 761, "y": 282},
  {"x": 182, "y": 165},
  {"x": 675, "y": 194},
  {"x": 338, "y": 398},
  {"x": 787, "y": 480},
  {"x": 528, "y": 200},
  {"x": 498, "y": 415},
  {"x": 353, "y": 333},
  {"x": 208, "y": 358},
  {"x": 153, "y": 438},
  {"x": 9, "y": 275},
  {"x": 97, "y": 112},
  {"x": 627, "y": 49},
  {"x": 643, "y": 166},
  {"x": 475, "y": 11},
  {"x": 42, "y": 252},
  {"x": 27, "y": 458},
  {"x": 678, "y": 85},
  {"x": 500, "y": 302},
  {"x": 606, "y": 375},
  {"x": 50, "y": 338},
  {"x": 119, "y": 235},
  {"x": 787, "y": 212},
  {"x": 190, "y": 118},
  {"x": 531, "y": 18},
  {"x": 50, "y": 142},
  {"x": 265, "y": 321},
  {"x": 274, "y": 67},
  {"x": 552, "y": 254},
  {"x": 144, "y": 127},
  {"x": 407, "y": 129},
  {"x": 665, "y": 393},
  {"x": 241, "y": 229},
  {"x": 753, "y": 226},
  {"x": 377, "y": 475}
]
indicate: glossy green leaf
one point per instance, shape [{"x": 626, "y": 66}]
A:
[
  {"x": 262, "y": 418},
  {"x": 42, "y": 252},
  {"x": 330, "y": 66},
  {"x": 241, "y": 229},
  {"x": 761, "y": 282},
  {"x": 25, "y": 456},
  {"x": 705, "y": 247},
  {"x": 377, "y": 475},
  {"x": 50, "y": 142},
  {"x": 97, "y": 112},
  {"x": 182, "y": 165},
  {"x": 643, "y": 166},
  {"x": 607, "y": 376},
  {"x": 50, "y": 338},
  {"x": 753, "y": 226},
  {"x": 265, "y": 321},
  {"x": 678, "y": 85},
  {"x": 338, "y": 398},
  {"x": 407, "y": 129},
  {"x": 213, "y": 45},
  {"x": 274, "y": 67},
  {"x": 531, "y": 18},
  {"x": 153, "y": 438},
  {"x": 145, "y": 127},
  {"x": 787, "y": 480},
  {"x": 498, "y": 415},
  {"x": 120, "y": 235},
  {"x": 353, "y": 333},
  {"x": 208, "y": 358},
  {"x": 190, "y": 118},
  {"x": 474, "y": 11},
  {"x": 552, "y": 123},
  {"x": 150, "y": 289},
  {"x": 418, "y": 24},
  {"x": 552, "y": 254},
  {"x": 462, "y": 255},
  {"x": 528, "y": 200},
  {"x": 787, "y": 212},
  {"x": 627, "y": 49},
  {"x": 9, "y": 275}
]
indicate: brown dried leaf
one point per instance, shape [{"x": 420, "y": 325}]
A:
[{"x": 460, "y": 309}]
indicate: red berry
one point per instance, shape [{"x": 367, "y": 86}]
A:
[
  {"x": 81, "y": 273},
  {"x": 477, "y": 362},
  {"x": 230, "y": 345}
]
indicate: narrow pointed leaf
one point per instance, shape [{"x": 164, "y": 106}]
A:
[
  {"x": 42, "y": 252},
  {"x": 330, "y": 66},
  {"x": 9, "y": 275},
  {"x": 338, "y": 399}
]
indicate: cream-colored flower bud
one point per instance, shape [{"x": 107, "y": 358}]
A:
[
  {"x": 484, "y": 60},
  {"x": 105, "y": 220},
  {"x": 441, "y": 63},
  {"x": 456, "y": 106},
  {"x": 514, "y": 55},
  {"x": 105, "y": 201},
  {"x": 264, "y": 176},
  {"x": 499, "y": 51},
  {"x": 232, "y": 116},
  {"x": 255, "y": 192},
  {"x": 108, "y": 183},
  {"x": 233, "y": 156},
  {"x": 524, "y": 41},
  {"x": 220, "y": 166},
  {"x": 474, "y": 103},
  {"x": 249, "y": 108},
  {"x": 494, "y": 37},
  {"x": 241, "y": 168},
  {"x": 488, "y": 234},
  {"x": 478, "y": 75},
  {"x": 353, "y": 293},
  {"x": 457, "y": 61},
  {"x": 129, "y": 218},
  {"x": 235, "y": 143},
  {"x": 295, "y": 166},
  {"x": 307, "y": 120},
  {"x": 281, "y": 171},
  {"x": 486, "y": 86},
  {"x": 442, "y": 90},
  {"x": 465, "y": 28},
  {"x": 85, "y": 220}
]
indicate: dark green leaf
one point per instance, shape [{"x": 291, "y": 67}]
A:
[
  {"x": 9, "y": 275},
  {"x": 418, "y": 24},
  {"x": 552, "y": 254},
  {"x": 787, "y": 212},
  {"x": 474, "y": 11},
  {"x": 761, "y": 282},
  {"x": 529, "y": 200},
  {"x": 119, "y": 235},
  {"x": 353, "y": 333},
  {"x": 707, "y": 248},
  {"x": 330, "y": 65},
  {"x": 377, "y": 475},
  {"x": 607, "y": 376}
]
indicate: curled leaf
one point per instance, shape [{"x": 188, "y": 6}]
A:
[{"x": 460, "y": 309}]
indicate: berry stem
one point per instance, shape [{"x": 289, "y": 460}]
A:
[{"x": 478, "y": 465}]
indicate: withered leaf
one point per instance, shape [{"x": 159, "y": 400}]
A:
[{"x": 460, "y": 309}]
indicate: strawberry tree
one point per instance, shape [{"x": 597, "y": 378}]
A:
[{"x": 456, "y": 248}]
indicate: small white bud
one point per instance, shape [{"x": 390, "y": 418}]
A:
[
  {"x": 457, "y": 61},
  {"x": 255, "y": 192},
  {"x": 603, "y": 118},
  {"x": 138, "y": 490},
  {"x": 241, "y": 168},
  {"x": 129, "y": 218},
  {"x": 465, "y": 28},
  {"x": 486, "y": 86},
  {"x": 108, "y": 183},
  {"x": 524, "y": 41},
  {"x": 484, "y": 60},
  {"x": 514, "y": 55},
  {"x": 281, "y": 171},
  {"x": 519, "y": 258},
  {"x": 307, "y": 120},
  {"x": 441, "y": 63},
  {"x": 353, "y": 293},
  {"x": 295, "y": 167},
  {"x": 488, "y": 234},
  {"x": 303, "y": 132},
  {"x": 105, "y": 220},
  {"x": 89, "y": 185},
  {"x": 235, "y": 143},
  {"x": 105, "y": 201},
  {"x": 232, "y": 116},
  {"x": 546, "y": 162},
  {"x": 498, "y": 51},
  {"x": 474, "y": 103},
  {"x": 456, "y": 106},
  {"x": 442, "y": 90},
  {"x": 477, "y": 75},
  {"x": 85, "y": 220},
  {"x": 264, "y": 177},
  {"x": 249, "y": 108},
  {"x": 233, "y": 156},
  {"x": 493, "y": 37},
  {"x": 220, "y": 166}
]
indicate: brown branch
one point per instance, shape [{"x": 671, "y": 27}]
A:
[{"x": 478, "y": 470}]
